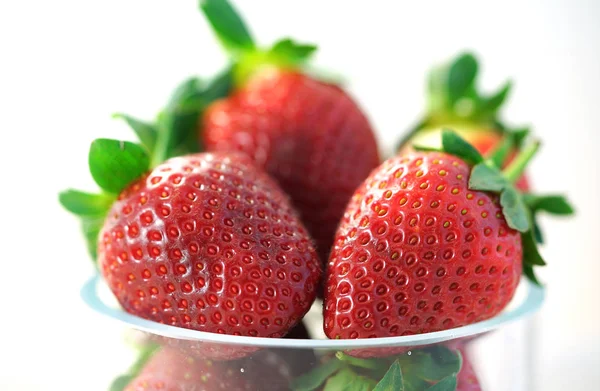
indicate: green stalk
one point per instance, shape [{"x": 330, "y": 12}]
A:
[
  {"x": 501, "y": 152},
  {"x": 517, "y": 167}
]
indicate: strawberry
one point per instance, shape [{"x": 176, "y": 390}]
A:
[
  {"x": 169, "y": 370},
  {"x": 455, "y": 103},
  {"x": 208, "y": 242},
  {"x": 431, "y": 241},
  {"x": 204, "y": 241},
  {"x": 308, "y": 134}
]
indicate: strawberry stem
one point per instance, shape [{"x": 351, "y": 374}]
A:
[{"x": 517, "y": 167}]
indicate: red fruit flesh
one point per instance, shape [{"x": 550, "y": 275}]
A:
[
  {"x": 209, "y": 242},
  {"x": 310, "y": 136},
  {"x": 418, "y": 252}
]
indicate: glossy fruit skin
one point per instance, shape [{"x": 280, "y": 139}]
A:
[
  {"x": 170, "y": 370},
  {"x": 310, "y": 136},
  {"x": 484, "y": 139},
  {"x": 418, "y": 252},
  {"x": 209, "y": 242}
]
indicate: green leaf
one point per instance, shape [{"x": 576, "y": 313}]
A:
[
  {"x": 91, "y": 227},
  {"x": 492, "y": 104},
  {"x": 313, "y": 379},
  {"x": 423, "y": 148},
  {"x": 530, "y": 274},
  {"x": 145, "y": 132},
  {"x": 292, "y": 52},
  {"x": 537, "y": 231},
  {"x": 449, "y": 383},
  {"x": 348, "y": 380},
  {"x": 531, "y": 255},
  {"x": 179, "y": 126},
  {"x": 179, "y": 120},
  {"x": 219, "y": 87},
  {"x": 371, "y": 363},
  {"x": 392, "y": 381},
  {"x": 553, "y": 204},
  {"x": 456, "y": 145},
  {"x": 85, "y": 204},
  {"x": 227, "y": 25},
  {"x": 461, "y": 77},
  {"x": 487, "y": 177},
  {"x": 120, "y": 383},
  {"x": 115, "y": 164},
  {"x": 514, "y": 209},
  {"x": 520, "y": 135},
  {"x": 432, "y": 364}
]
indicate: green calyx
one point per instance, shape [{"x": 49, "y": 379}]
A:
[
  {"x": 519, "y": 210},
  {"x": 115, "y": 164},
  {"x": 431, "y": 368},
  {"x": 455, "y": 100},
  {"x": 247, "y": 57},
  {"x": 454, "y": 96}
]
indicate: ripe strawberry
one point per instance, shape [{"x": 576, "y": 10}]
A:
[
  {"x": 204, "y": 241},
  {"x": 455, "y": 103},
  {"x": 169, "y": 370},
  {"x": 308, "y": 134},
  {"x": 428, "y": 243}
]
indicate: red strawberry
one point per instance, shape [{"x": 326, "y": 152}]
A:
[
  {"x": 169, "y": 370},
  {"x": 308, "y": 134},
  {"x": 204, "y": 241},
  {"x": 414, "y": 253},
  {"x": 428, "y": 244},
  {"x": 208, "y": 242},
  {"x": 455, "y": 103}
]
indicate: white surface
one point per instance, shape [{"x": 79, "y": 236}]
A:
[{"x": 65, "y": 66}]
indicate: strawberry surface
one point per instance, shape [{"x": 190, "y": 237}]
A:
[
  {"x": 309, "y": 135},
  {"x": 484, "y": 139},
  {"x": 210, "y": 243},
  {"x": 170, "y": 370},
  {"x": 417, "y": 251}
]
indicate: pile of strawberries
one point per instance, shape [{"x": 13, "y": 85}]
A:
[{"x": 260, "y": 190}]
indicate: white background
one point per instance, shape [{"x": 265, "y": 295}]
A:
[{"x": 65, "y": 66}]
